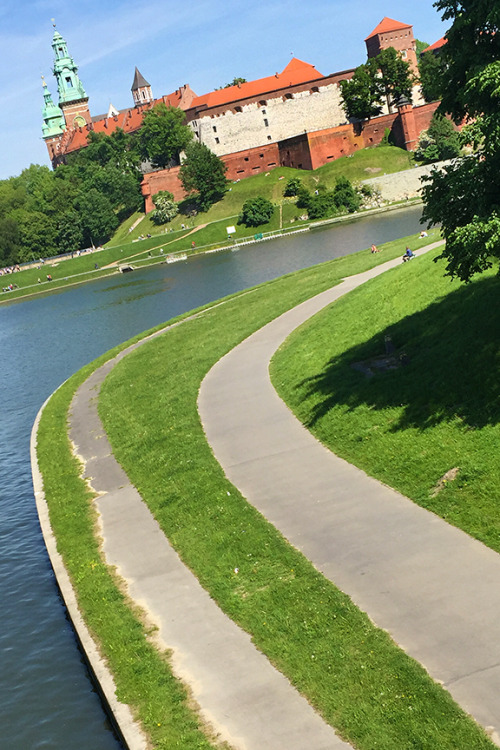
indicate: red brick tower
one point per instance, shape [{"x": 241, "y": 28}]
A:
[{"x": 390, "y": 33}]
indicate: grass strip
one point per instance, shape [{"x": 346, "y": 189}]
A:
[
  {"x": 360, "y": 681},
  {"x": 142, "y": 673},
  {"x": 412, "y": 425}
]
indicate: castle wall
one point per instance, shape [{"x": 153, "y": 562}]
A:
[{"x": 275, "y": 117}]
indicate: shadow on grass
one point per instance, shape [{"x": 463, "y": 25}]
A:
[{"x": 451, "y": 367}]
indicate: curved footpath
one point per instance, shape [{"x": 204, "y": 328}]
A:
[
  {"x": 246, "y": 701},
  {"x": 432, "y": 587}
]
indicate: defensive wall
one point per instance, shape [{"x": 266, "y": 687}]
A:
[{"x": 306, "y": 150}]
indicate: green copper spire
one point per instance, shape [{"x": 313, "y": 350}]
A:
[
  {"x": 69, "y": 86},
  {"x": 53, "y": 118}
]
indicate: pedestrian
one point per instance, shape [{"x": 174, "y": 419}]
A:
[{"x": 374, "y": 249}]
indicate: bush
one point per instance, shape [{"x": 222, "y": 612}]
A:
[
  {"x": 165, "y": 207},
  {"x": 345, "y": 196},
  {"x": 440, "y": 141},
  {"x": 256, "y": 211},
  {"x": 292, "y": 187}
]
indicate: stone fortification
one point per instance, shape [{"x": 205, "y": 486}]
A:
[{"x": 274, "y": 118}]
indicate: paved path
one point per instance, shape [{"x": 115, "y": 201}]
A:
[
  {"x": 248, "y": 702},
  {"x": 431, "y": 586}
]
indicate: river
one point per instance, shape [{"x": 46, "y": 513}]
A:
[{"x": 46, "y": 697}]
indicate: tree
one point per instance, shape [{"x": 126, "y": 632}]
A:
[
  {"x": 163, "y": 135},
  {"x": 235, "y": 82},
  {"x": 386, "y": 75},
  {"x": 97, "y": 218},
  {"x": 430, "y": 70},
  {"x": 465, "y": 198},
  {"x": 362, "y": 94},
  {"x": 440, "y": 141},
  {"x": 292, "y": 187},
  {"x": 165, "y": 207},
  {"x": 203, "y": 172},
  {"x": 256, "y": 211},
  {"x": 396, "y": 76}
]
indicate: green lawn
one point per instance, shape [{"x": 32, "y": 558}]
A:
[
  {"x": 126, "y": 247},
  {"x": 357, "y": 678},
  {"x": 410, "y": 426}
]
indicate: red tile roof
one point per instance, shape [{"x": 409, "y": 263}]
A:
[
  {"x": 437, "y": 45},
  {"x": 296, "y": 72},
  {"x": 388, "y": 24},
  {"x": 128, "y": 120}
]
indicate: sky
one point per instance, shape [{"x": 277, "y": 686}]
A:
[{"x": 204, "y": 43}]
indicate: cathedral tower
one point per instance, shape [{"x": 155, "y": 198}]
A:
[{"x": 73, "y": 100}]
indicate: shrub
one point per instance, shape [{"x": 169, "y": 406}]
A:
[
  {"x": 165, "y": 207},
  {"x": 256, "y": 211},
  {"x": 292, "y": 187}
]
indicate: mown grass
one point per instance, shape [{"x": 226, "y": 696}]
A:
[
  {"x": 142, "y": 674},
  {"x": 410, "y": 426},
  {"x": 125, "y": 246},
  {"x": 363, "y": 684}
]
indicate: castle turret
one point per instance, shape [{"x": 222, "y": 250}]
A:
[
  {"x": 141, "y": 90},
  {"x": 391, "y": 33},
  {"x": 73, "y": 100}
]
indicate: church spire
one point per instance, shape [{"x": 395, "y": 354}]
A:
[
  {"x": 141, "y": 89},
  {"x": 72, "y": 97},
  {"x": 53, "y": 118}
]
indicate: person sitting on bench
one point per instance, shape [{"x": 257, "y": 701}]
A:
[{"x": 408, "y": 255}]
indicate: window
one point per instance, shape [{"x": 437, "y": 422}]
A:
[
  {"x": 240, "y": 171},
  {"x": 68, "y": 82},
  {"x": 217, "y": 140},
  {"x": 214, "y": 128},
  {"x": 263, "y": 103},
  {"x": 238, "y": 109},
  {"x": 287, "y": 96},
  {"x": 261, "y": 156},
  {"x": 266, "y": 123},
  {"x": 272, "y": 164},
  {"x": 269, "y": 138},
  {"x": 246, "y": 158},
  {"x": 315, "y": 90},
  {"x": 263, "y": 111}
]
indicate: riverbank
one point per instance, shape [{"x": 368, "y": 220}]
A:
[
  {"x": 197, "y": 344},
  {"x": 156, "y": 254}
]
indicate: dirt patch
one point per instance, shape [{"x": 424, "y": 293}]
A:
[
  {"x": 373, "y": 170},
  {"x": 450, "y": 475}
]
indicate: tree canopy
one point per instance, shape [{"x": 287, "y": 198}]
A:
[
  {"x": 465, "y": 197},
  {"x": 204, "y": 173},
  {"x": 430, "y": 70},
  {"x": 163, "y": 135},
  {"x": 44, "y": 212},
  {"x": 384, "y": 77}
]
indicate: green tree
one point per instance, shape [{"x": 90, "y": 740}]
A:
[
  {"x": 37, "y": 234},
  {"x": 465, "y": 198},
  {"x": 420, "y": 46},
  {"x": 203, "y": 172},
  {"x": 256, "y": 211},
  {"x": 97, "y": 218},
  {"x": 396, "y": 76},
  {"x": 163, "y": 135},
  {"x": 385, "y": 76},
  {"x": 430, "y": 68},
  {"x": 362, "y": 94},
  {"x": 237, "y": 80},
  {"x": 69, "y": 232},
  {"x": 440, "y": 141},
  {"x": 165, "y": 207},
  {"x": 292, "y": 187},
  {"x": 10, "y": 241}
]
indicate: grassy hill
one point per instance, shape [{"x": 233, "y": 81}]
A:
[{"x": 205, "y": 229}]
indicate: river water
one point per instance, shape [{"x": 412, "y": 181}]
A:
[{"x": 46, "y": 697}]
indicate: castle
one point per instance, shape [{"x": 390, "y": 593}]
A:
[{"x": 294, "y": 118}]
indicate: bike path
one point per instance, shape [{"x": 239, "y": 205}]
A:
[
  {"x": 430, "y": 585},
  {"x": 243, "y": 698}
]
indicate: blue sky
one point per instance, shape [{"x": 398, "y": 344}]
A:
[{"x": 201, "y": 42}]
